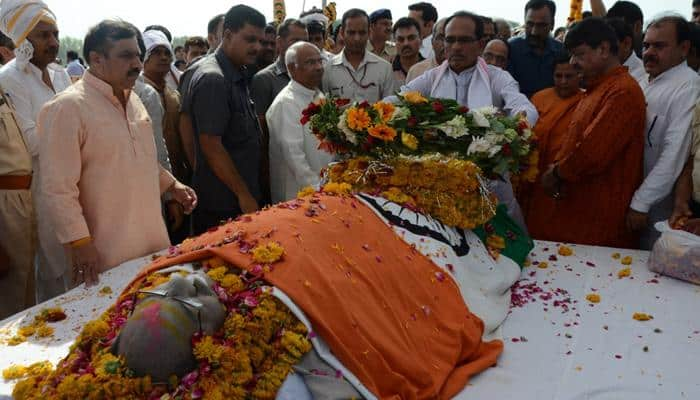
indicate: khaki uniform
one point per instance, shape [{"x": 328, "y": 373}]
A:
[
  {"x": 388, "y": 53},
  {"x": 18, "y": 237}
]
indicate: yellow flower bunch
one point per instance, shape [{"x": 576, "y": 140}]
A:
[
  {"x": 268, "y": 253},
  {"x": 385, "y": 110},
  {"x": 307, "y": 191},
  {"x": 358, "y": 119},
  {"x": 337, "y": 188},
  {"x": 20, "y": 371},
  {"x": 414, "y": 98},
  {"x": 382, "y": 132}
]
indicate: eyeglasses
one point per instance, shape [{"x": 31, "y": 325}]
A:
[{"x": 462, "y": 40}]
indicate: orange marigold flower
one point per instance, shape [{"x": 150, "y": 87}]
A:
[
  {"x": 642, "y": 316},
  {"x": 358, "y": 119},
  {"x": 625, "y": 272},
  {"x": 565, "y": 251},
  {"x": 385, "y": 110},
  {"x": 626, "y": 260},
  {"x": 593, "y": 298},
  {"x": 383, "y": 132},
  {"x": 414, "y": 98}
]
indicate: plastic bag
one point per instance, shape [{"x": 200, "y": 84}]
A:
[{"x": 676, "y": 254}]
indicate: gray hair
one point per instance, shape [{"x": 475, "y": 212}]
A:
[{"x": 290, "y": 57}]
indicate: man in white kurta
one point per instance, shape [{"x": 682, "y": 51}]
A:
[
  {"x": 671, "y": 93},
  {"x": 30, "y": 80},
  {"x": 295, "y": 159}
]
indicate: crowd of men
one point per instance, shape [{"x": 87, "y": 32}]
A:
[{"x": 146, "y": 145}]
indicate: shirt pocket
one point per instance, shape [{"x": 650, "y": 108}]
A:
[{"x": 656, "y": 125}]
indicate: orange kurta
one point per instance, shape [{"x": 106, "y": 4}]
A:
[
  {"x": 389, "y": 314},
  {"x": 551, "y": 129},
  {"x": 600, "y": 164}
]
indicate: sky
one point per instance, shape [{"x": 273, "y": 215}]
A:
[{"x": 189, "y": 18}]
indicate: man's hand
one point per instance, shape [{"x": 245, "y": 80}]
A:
[
  {"x": 175, "y": 215},
  {"x": 680, "y": 215},
  {"x": 248, "y": 204},
  {"x": 86, "y": 263},
  {"x": 636, "y": 220},
  {"x": 692, "y": 226},
  {"x": 551, "y": 183},
  {"x": 184, "y": 195}
]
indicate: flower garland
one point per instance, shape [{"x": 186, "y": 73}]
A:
[
  {"x": 250, "y": 357},
  {"x": 448, "y": 189}
]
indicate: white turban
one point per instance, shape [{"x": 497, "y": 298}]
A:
[
  {"x": 153, "y": 39},
  {"x": 316, "y": 17},
  {"x": 18, "y": 18}
]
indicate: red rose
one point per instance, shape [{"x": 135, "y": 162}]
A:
[
  {"x": 463, "y": 110},
  {"x": 522, "y": 125},
  {"x": 364, "y": 104},
  {"x": 342, "y": 102},
  {"x": 412, "y": 122},
  {"x": 304, "y": 119},
  {"x": 438, "y": 107},
  {"x": 506, "y": 150}
]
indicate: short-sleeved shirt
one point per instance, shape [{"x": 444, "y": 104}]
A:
[
  {"x": 221, "y": 106},
  {"x": 372, "y": 81},
  {"x": 399, "y": 73},
  {"x": 267, "y": 84},
  {"x": 533, "y": 71}
]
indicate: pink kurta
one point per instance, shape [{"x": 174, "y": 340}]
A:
[{"x": 100, "y": 173}]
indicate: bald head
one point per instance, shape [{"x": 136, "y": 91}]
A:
[
  {"x": 304, "y": 63},
  {"x": 496, "y": 53}
]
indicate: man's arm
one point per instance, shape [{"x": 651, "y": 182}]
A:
[
  {"x": 675, "y": 146},
  {"x": 151, "y": 101},
  {"x": 514, "y": 102},
  {"x": 288, "y": 133},
  {"x": 19, "y": 97}
]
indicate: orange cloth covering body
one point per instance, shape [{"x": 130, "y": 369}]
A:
[
  {"x": 600, "y": 164},
  {"x": 551, "y": 130},
  {"x": 388, "y": 313}
]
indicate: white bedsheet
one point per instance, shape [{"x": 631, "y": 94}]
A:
[{"x": 537, "y": 369}]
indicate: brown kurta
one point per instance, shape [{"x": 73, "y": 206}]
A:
[{"x": 600, "y": 164}]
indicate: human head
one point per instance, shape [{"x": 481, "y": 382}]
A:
[
  {"x": 696, "y": 12},
  {"x": 502, "y": 29},
  {"x": 407, "y": 35},
  {"x": 666, "y": 44},
  {"x": 181, "y": 65},
  {"x": 694, "y": 51},
  {"x": 71, "y": 55},
  {"x": 566, "y": 77},
  {"x": 196, "y": 46},
  {"x": 625, "y": 37},
  {"x": 289, "y": 32},
  {"x": 380, "y": 25},
  {"x": 180, "y": 53},
  {"x": 559, "y": 33},
  {"x": 426, "y": 15},
  {"x": 489, "y": 29},
  {"x": 268, "y": 50},
  {"x": 159, "y": 54},
  {"x": 630, "y": 12},
  {"x": 243, "y": 32},
  {"x": 317, "y": 34},
  {"x": 215, "y": 30},
  {"x": 6, "y": 49},
  {"x": 463, "y": 31},
  {"x": 354, "y": 29},
  {"x": 593, "y": 47},
  {"x": 111, "y": 49},
  {"x": 439, "y": 40},
  {"x": 496, "y": 53},
  {"x": 161, "y": 28},
  {"x": 305, "y": 64},
  {"x": 539, "y": 21},
  {"x": 31, "y": 25}
]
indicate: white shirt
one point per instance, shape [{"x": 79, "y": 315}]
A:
[
  {"x": 28, "y": 94},
  {"x": 426, "y": 47},
  {"x": 151, "y": 100},
  {"x": 671, "y": 99},
  {"x": 75, "y": 69},
  {"x": 636, "y": 68},
  {"x": 172, "y": 80},
  {"x": 295, "y": 160},
  {"x": 371, "y": 81}
]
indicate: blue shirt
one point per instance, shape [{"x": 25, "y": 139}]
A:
[{"x": 533, "y": 71}]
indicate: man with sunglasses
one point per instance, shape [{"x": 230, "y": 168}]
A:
[{"x": 532, "y": 56}]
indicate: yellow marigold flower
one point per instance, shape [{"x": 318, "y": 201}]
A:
[
  {"x": 385, "y": 110},
  {"x": 627, "y": 260},
  {"x": 642, "y": 316},
  {"x": 593, "y": 298},
  {"x": 358, "y": 119},
  {"x": 382, "y": 132},
  {"x": 268, "y": 253},
  {"x": 232, "y": 282},
  {"x": 44, "y": 331},
  {"x": 496, "y": 242},
  {"x": 105, "y": 291},
  {"x": 14, "y": 372},
  {"x": 96, "y": 329},
  {"x": 206, "y": 349},
  {"x": 307, "y": 191},
  {"x": 616, "y": 256},
  {"x": 409, "y": 140},
  {"x": 218, "y": 273},
  {"x": 27, "y": 330},
  {"x": 565, "y": 251},
  {"x": 397, "y": 196},
  {"x": 414, "y": 97},
  {"x": 542, "y": 265},
  {"x": 625, "y": 272},
  {"x": 337, "y": 188}
]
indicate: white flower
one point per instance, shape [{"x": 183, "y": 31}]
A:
[
  {"x": 493, "y": 138},
  {"x": 400, "y": 113},
  {"x": 350, "y": 136},
  {"x": 454, "y": 128},
  {"x": 480, "y": 119},
  {"x": 478, "y": 145},
  {"x": 494, "y": 150},
  {"x": 488, "y": 111}
]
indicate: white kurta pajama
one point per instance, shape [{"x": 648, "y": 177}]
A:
[
  {"x": 295, "y": 160},
  {"x": 482, "y": 85},
  {"x": 671, "y": 99}
]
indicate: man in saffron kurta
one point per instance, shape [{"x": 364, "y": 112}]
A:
[
  {"x": 599, "y": 165},
  {"x": 556, "y": 107},
  {"x": 99, "y": 158}
]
